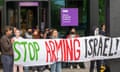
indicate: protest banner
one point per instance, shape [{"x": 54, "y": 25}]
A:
[{"x": 30, "y": 52}]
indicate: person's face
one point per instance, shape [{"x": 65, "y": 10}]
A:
[
  {"x": 55, "y": 33},
  {"x": 35, "y": 33},
  {"x": 97, "y": 29},
  {"x": 9, "y": 32},
  {"x": 15, "y": 29},
  {"x": 17, "y": 33},
  {"x": 29, "y": 30},
  {"x": 103, "y": 27},
  {"x": 73, "y": 31},
  {"x": 96, "y": 32}
]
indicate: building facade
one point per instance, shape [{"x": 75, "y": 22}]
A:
[
  {"x": 26, "y": 13},
  {"x": 46, "y": 13},
  {"x": 1, "y": 14}
]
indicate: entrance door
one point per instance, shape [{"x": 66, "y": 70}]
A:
[
  {"x": 24, "y": 14},
  {"x": 28, "y": 17}
]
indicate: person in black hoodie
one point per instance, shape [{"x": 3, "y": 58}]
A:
[{"x": 104, "y": 63}]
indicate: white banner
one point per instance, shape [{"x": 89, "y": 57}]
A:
[{"x": 30, "y": 52}]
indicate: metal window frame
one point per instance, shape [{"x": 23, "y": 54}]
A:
[
  {"x": 5, "y": 11},
  {"x": 1, "y": 8}
]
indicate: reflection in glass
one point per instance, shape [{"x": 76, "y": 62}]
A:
[{"x": 56, "y": 5}]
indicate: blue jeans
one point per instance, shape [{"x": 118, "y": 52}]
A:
[
  {"x": 26, "y": 69},
  {"x": 7, "y": 62},
  {"x": 56, "y": 67},
  {"x": 92, "y": 65}
]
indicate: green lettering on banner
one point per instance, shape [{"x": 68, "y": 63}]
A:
[
  {"x": 17, "y": 51},
  {"x": 37, "y": 49},
  {"x": 30, "y": 49},
  {"x": 25, "y": 51}
]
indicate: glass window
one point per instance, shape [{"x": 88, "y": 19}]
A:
[
  {"x": 55, "y": 12},
  {"x": 101, "y": 11},
  {"x": 12, "y": 16},
  {"x": 56, "y": 5},
  {"x": 1, "y": 2}
]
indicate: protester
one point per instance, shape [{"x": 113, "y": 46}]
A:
[
  {"x": 13, "y": 32},
  {"x": 103, "y": 63},
  {"x": 36, "y": 35},
  {"x": 73, "y": 34},
  {"x": 47, "y": 33},
  {"x": 17, "y": 37},
  {"x": 7, "y": 50},
  {"x": 97, "y": 62},
  {"x": 55, "y": 67},
  {"x": 28, "y": 35},
  {"x": 103, "y": 30}
]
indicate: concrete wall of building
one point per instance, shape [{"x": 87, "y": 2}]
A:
[
  {"x": 93, "y": 14},
  {"x": 114, "y": 18},
  {"x": 114, "y": 30}
]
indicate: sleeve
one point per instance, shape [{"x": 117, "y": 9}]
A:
[{"x": 5, "y": 44}]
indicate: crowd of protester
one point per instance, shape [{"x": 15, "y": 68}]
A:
[{"x": 13, "y": 33}]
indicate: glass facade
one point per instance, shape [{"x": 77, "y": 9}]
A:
[
  {"x": 1, "y": 15},
  {"x": 11, "y": 13},
  {"x": 56, "y": 5},
  {"x": 21, "y": 16}
]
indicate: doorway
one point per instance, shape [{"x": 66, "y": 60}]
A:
[
  {"x": 28, "y": 17},
  {"x": 24, "y": 14}
]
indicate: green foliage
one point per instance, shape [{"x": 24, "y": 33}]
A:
[
  {"x": 1, "y": 2},
  {"x": 101, "y": 11}
]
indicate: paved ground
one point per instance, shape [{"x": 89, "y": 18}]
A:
[{"x": 71, "y": 70}]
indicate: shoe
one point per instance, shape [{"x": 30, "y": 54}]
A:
[
  {"x": 35, "y": 71},
  {"x": 78, "y": 67},
  {"x": 71, "y": 67}
]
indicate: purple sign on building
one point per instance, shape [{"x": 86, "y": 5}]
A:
[
  {"x": 28, "y": 3},
  {"x": 69, "y": 16}
]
